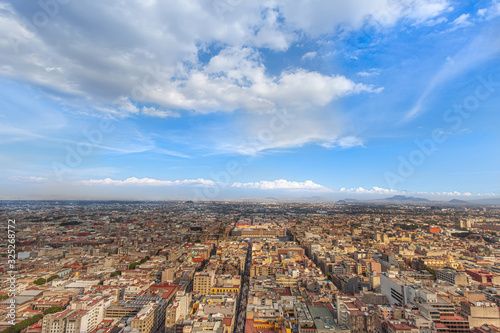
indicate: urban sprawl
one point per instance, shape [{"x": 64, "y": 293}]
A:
[{"x": 248, "y": 267}]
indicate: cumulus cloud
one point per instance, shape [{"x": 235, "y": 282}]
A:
[
  {"x": 385, "y": 191},
  {"x": 95, "y": 57},
  {"x": 261, "y": 185},
  {"x": 322, "y": 17},
  {"x": 96, "y": 54},
  {"x": 281, "y": 184},
  {"x": 373, "y": 190},
  {"x": 236, "y": 79},
  {"x": 147, "y": 182}
]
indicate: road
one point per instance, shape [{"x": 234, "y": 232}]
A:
[{"x": 241, "y": 306}]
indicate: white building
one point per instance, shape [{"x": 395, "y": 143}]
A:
[{"x": 397, "y": 291}]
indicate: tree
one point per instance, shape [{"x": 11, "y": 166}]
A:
[
  {"x": 53, "y": 277},
  {"x": 23, "y": 324},
  {"x": 40, "y": 281},
  {"x": 53, "y": 309},
  {"x": 115, "y": 273},
  {"x": 133, "y": 265}
]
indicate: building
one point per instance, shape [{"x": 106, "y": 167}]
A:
[
  {"x": 483, "y": 276},
  {"x": 452, "y": 276},
  {"x": 346, "y": 283},
  {"x": 56, "y": 322},
  {"x": 323, "y": 320},
  {"x": 464, "y": 224},
  {"x": 78, "y": 322},
  {"x": 143, "y": 321},
  {"x": 94, "y": 313},
  {"x": 178, "y": 309},
  {"x": 453, "y": 323},
  {"x": 397, "y": 291},
  {"x": 480, "y": 313},
  {"x": 401, "y": 328},
  {"x": 203, "y": 282}
]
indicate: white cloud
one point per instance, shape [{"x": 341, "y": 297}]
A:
[
  {"x": 490, "y": 12},
  {"x": 422, "y": 11},
  {"x": 436, "y": 195},
  {"x": 309, "y": 55},
  {"x": 322, "y": 17},
  {"x": 461, "y": 21},
  {"x": 147, "y": 182},
  {"x": 95, "y": 54},
  {"x": 482, "y": 12},
  {"x": 236, "y": 79},
  {"x": 281, "y": 184},
  {"x": 29, "y": 179},
  {"x": 480, "y": 49},
  {"x": 344, "y": 142},
  {"x": 262, "y": 185},
  {"x": 153, "y": 112},
  {"x": 373, "y": 190},
  {"x": 371, "y": 72}
]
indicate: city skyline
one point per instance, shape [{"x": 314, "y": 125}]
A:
[{"x": 235, "y": 100}]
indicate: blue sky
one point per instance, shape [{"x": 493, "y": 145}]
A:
[{"x": 233, "y": 99}]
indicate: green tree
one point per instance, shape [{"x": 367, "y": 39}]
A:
[
  {"x": 133, "y": 265},
  {"x": 23, "y": 324},
  {"x": 53, "y": 309},
  {"x": 115, "y": 273},
  {"x": 53, "y": 277},
  {"x": 40, "y": 281}
]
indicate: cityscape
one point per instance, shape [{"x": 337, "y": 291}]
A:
[
  {"x": 252, "y": 267},
  {"x": 250, "y": 166}
]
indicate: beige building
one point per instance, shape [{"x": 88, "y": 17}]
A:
[
  {"x": 480, "y": 313},
  {"x": 178, "y": 309},
  {"x": 56, "y": 322},
  {"x": 203, "y": 282},
  {"x": 168, "y": 275},
  {"x": 78, "y": 322},
  {"x": 144, "y": 320}
]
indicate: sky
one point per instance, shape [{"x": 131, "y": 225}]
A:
[{"x": 233, "y": 99}]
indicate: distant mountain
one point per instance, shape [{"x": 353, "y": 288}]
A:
[
  {"x": 456, "y": 201},
  {"x": 404, "y": 198},
  {"x": 490, "y": 201},
  {"x": 315, "y": 198},
  {"x": 347, "y": 200}
]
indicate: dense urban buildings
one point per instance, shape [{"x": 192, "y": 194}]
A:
[{"x": 234, "y": 267}]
